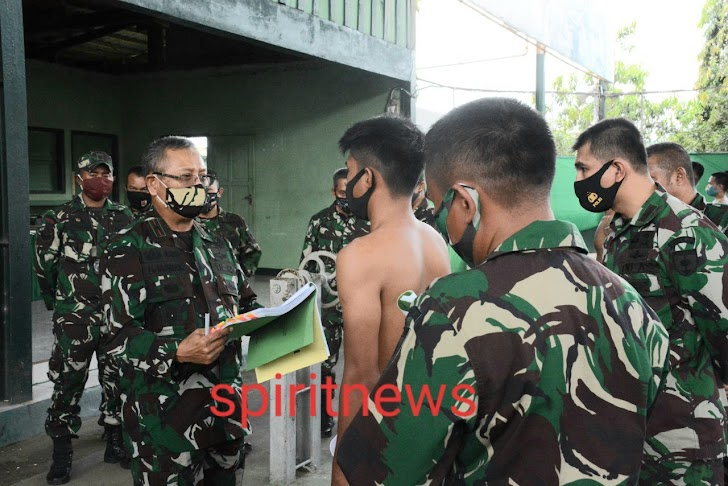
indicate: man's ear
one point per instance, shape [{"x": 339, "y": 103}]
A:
[
  {"x": 681, "y": 177},
  {"x": 220, "y": 191},
  {"x": 463, "y": 207},
  {"x": 368, "y": 177},
  {"x": 622, "y": 167},
  {"x": 152, "y": 186}
]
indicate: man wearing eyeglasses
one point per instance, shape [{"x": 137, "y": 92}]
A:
[
  {"x": 163, "y": 278},
  {"x": 231, "y": 226},
  {"x": 67, "y": 252}
]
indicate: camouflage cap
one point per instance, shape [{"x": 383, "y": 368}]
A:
[{"x": 91, "y": 160}]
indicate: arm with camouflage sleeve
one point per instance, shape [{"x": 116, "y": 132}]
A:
[
  {"x": 387, "y": 445},
  {"x": 696, "y": 261},
  {"x": 309, "y": 243},
  {"x": 47, "y": 253},
  {"x": 247, "y": 300},
  {"x": 250, "y": 251},
  {"x": 124, "y": 301}
]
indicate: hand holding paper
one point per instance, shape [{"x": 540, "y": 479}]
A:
[
  {"x": 201, "y": 349},
  {"x": 284, "y": 338}
]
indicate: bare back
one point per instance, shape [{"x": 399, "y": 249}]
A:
[
  {"x": 390, "y": 260},
  {"x": 411, "y": 258}
]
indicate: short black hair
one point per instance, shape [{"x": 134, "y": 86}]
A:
[
  {"x": 156, "y": 153},
  {"x": 612, "y": 138},
  {"x": 698, "y": 171},
  {"x": 391, "y": 144},
  {"x": 721, "y": 178},
  {"x": 502, "y": 143},
  {"x": 670, "y": 157},
  {"x": 137, "y": 170},
  {"x": 340, "y": 174}
]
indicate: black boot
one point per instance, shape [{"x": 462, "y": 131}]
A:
[
  {"x": 115, "y": 452},
  {"x": 60, "y": 472}
]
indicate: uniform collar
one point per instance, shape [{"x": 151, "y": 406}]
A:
[
  {"x": 542, "y": 235},
  {"x": 162, "y": 230},
  {"x": 698, "y": 202},
  {"x": 648, "y": 212},
  {"x": 79, "y": 203}
]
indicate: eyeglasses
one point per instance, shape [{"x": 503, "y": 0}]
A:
[{"x": 188, "y": 179}]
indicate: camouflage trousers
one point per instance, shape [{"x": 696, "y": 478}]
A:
[
  {"x": 68, "y": 369},
  {"x": 333, "y": 330},
  {"x": 216, "y": 465},
  {"x": 678, "y": 472}
]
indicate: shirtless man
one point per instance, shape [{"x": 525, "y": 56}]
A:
[{"x": 385, "y": 160}]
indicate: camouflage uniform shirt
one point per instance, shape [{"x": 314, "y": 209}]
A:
[
  {"x": 234, "y": 229},
  {"x": 68, "y": 248},
  {"x": 157, "y": 288},
  {"x": 674, "y": 257},
  {"x": 330, "y": 231},
  {"x": 555, "y": 359},
  {"x": 717, "y": 213},
  {"x": 426, "y": 214}
]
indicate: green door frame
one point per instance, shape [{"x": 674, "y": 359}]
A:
[{"x": 16, "y": 350}]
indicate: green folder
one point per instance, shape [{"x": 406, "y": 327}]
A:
[{"x": 286, "y": 334}]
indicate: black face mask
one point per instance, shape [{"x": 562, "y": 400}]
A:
[
  {"x": 139, "y": 200},
  {"x": 210, "y": 202},
  {"x": 343, "y": 204},
  {"x": 592, "y": 196},
  {"x": 414, "y": 197},
  {"x": 359, "y": 206}
]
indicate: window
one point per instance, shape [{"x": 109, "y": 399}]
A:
[{"x": 45, "y": 157}]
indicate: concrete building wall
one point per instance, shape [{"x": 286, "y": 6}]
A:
[
  {"x": 71, "y": 100},
  {"x": 294, "y": 116}
]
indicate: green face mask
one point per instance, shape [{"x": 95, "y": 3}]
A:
[{"x": 465, "y": 247}]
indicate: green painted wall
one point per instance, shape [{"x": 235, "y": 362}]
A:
[
  {"x": 71, "y": 100},
  {"x": 295, "y": 116}
]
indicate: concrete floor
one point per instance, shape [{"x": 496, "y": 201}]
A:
[{"x": 26, "y": 462}]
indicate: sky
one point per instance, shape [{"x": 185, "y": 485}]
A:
[{"x": 458, "y": 47}]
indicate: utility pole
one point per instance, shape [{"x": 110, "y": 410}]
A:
[{"x": 540, "y": 80}]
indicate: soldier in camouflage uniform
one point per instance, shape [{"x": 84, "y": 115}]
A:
[
  {"x": 717, "y": 187},
  {"x": 541, "y": 363},
  {"x": 675, "y": 258},
  {"x": 140, "y": 201},
  {"x": 232, "y": 227},
  {"x": 421, "y": 206},
  {"x": 330, "y": 230},
  {"x": 671, "y": 167},
  {"x": 67, "y": 253},
  {"x": 161, "y": 276}
]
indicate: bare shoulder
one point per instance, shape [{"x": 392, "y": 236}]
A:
[
  {"x": 354, "y": 258},
  {"x": 432, "y": 235}
]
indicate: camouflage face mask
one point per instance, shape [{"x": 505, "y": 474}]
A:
[
  {"x": 188, "y": 202},
  {"x": 465, "y": 247}
]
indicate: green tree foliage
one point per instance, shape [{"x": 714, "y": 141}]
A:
[
  {"x": 659, "y": 119},
  {"x": 709, "y": 114}
]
